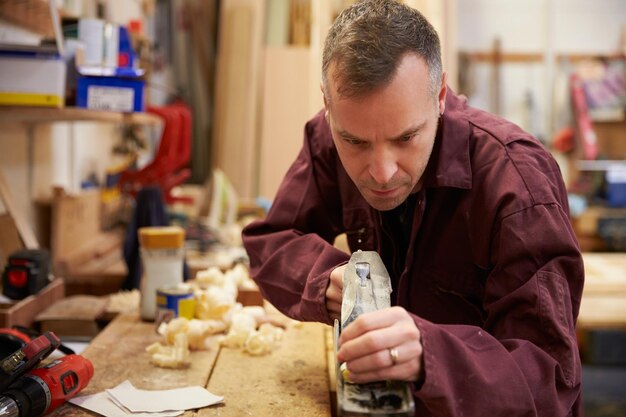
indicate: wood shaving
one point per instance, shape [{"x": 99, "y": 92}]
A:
[{"x": 174, "y": 356}]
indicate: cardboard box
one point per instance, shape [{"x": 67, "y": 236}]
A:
[
  {"x": 32, "y": 79},
  {"x": 23, "y": 312},
  {"x": 616, "y": 188}
]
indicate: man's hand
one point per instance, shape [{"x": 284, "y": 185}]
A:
[
  {"x": 333, "y": 292},
  {"x": 382, "y": 345}
]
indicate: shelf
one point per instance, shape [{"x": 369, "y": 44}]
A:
[
  {"x": 14, "y": 114},
  {"x": 601, "y": 165}
]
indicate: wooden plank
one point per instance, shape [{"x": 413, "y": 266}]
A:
[
  {"x": 23, "y": 227},
  {"x": 9, "y": 239},
  {"x": 290, "y": 381},
  {"x": 285, "y": 111},
  {"x": 23, "y": 312},
  {"x": 75, "y": 221},
  {"x": 100, "y": 277},
  {"x": 236, "y": 119},
  {"x": 75, "y": 316},
  {"x": 97, "y": 248},
  {"x": 118, "y": 354}
]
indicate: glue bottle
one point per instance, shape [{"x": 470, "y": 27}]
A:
[{"x": 162, "y": 256}]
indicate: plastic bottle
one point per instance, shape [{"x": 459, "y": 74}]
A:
[{"x": 162, "y": 255}]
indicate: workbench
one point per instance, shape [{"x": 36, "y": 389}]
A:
[
  {"x": 292, "y": 380},
  {"x": 604, "y": 295}
]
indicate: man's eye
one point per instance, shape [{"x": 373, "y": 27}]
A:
[
  {"x": 354, "y": 141},
  {"x": 406, "y": 138}
]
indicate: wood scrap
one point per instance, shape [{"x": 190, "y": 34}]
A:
[
  {"x": 73, "y": 316},
  {"x": 98, "y": 247}
]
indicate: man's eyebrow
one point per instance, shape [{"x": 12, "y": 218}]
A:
[
  {"x": 346, "y": 135},
  {"x": 410, "y": 131}
]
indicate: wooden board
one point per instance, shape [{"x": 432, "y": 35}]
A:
[
  {"x": 75, "y": 221},
  {"x": 75, "y": 316},
  {"x": 9, "y": 239},
  {"x": 23, "y": 312},
  {"x": 292, "y": 380},
  {"x": 236, "y": 118},
  {"x": 23, "y": 227},
  {"x": 285, "y": 112}
]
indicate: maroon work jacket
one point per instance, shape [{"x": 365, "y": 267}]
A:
[{"x": 493, "y": 274}]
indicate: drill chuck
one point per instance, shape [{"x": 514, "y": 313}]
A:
[
  {"x": 8, "y": 407},
  {"x": 29, "y": 396}
]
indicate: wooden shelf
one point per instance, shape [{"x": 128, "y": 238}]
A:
[
  {"x": 601, "y": 165},
  {"x": 14, "y": 114}
]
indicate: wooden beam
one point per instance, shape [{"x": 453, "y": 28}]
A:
[
  {"x": 530, "y": 57},
  {"x": 23, "y": 227}
]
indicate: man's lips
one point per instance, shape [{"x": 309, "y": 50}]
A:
[{"x": 383, "y": 193}]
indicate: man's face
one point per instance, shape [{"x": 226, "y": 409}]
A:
[{"x": 385, "y": 138}]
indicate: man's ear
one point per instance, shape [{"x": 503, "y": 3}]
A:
[
  {"x": 442, "y": 93},
  {"x": 326, "y": 107}
]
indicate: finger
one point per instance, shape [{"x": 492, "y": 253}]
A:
[
  {"x": 368, "y": 345},
  {"x": 387, "y": 357},
  {"x": 336, "y": 276},
  {"x": 406, "y": 367},
  {"x": 372, "y": 321},
  {"x": 333, "y": 307},
  {"x": 333, "y": 294}
]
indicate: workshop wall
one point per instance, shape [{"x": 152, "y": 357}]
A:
[
  {"x": 533, "y": 94},
  {"x": 36, "y": 157}
]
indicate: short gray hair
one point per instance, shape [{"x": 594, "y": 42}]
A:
[{"x": 367, "y": 41}]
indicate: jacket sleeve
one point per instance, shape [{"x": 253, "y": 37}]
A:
[
  {"x": 291, "y": 251},
  {"x": 524, "y": 361}
]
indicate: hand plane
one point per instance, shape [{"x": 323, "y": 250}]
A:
[{"x": 367, "y": 287}]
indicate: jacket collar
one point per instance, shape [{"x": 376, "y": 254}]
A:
[{"x": 449, "y": 164}]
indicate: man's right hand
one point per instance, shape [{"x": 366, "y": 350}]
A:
[{"x": 333, "y": 292}]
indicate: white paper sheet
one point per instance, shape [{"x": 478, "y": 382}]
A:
[
  {"x": 126, "y": 400},
  {"x": 101, "y": 403},
  {"x": 137, "y": 400}
]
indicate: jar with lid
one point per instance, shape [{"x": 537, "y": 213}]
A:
[{"x": 162, "y": 256}]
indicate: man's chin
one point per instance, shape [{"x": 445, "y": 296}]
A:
[{"x": 384, "y": 204}]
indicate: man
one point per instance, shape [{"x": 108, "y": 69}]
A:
[{"x": 468, "y": 212}]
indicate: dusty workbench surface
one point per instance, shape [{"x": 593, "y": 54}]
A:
[
  {"x": 290, "y": 381},
  {"x": 604, "y": 296}
]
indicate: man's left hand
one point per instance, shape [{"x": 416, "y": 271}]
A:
[{"x": 382, "y": 345}]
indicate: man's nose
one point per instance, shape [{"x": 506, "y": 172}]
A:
[{"x": 383, "y": 164}]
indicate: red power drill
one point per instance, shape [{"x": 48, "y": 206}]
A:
[{"x": 30, "y": 392}]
